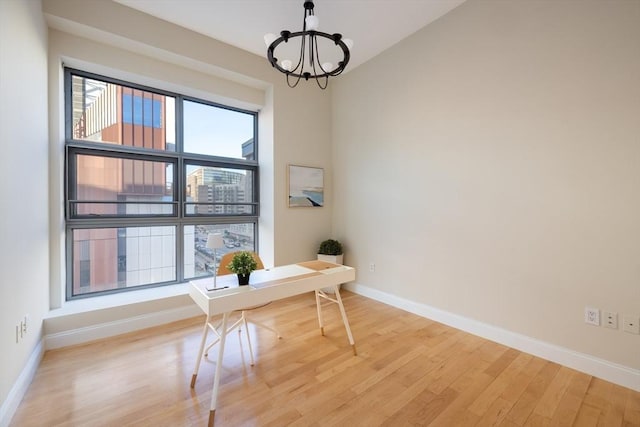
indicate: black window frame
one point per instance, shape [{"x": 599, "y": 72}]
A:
[{"x": 179, "y": 161}]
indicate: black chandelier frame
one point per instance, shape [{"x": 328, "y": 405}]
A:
[{"x": 298, "y": 72}]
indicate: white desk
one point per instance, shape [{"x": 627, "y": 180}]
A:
[{"x": 265, "y": 286}]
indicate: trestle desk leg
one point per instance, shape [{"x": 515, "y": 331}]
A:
[
  {"x": 246, "y": 330},
  {"x": 202, "y": 343},
  {"x": 319, "y": 308},
  {"x": 216, "y": 379},
  {"x": 345, "y": 320}
]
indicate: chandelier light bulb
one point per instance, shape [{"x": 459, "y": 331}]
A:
[
  {"x": 286, "y": 64},
  {"x": 312, "y": 23},
  {"x": 349, "y": 43},
  {"x": 269, "y": 38},
  {"x": 327, "y": 67}
]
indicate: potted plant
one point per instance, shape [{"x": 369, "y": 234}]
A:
[
  {"x": 330, "y": 250},
  {"x": 242, "y": 264}
]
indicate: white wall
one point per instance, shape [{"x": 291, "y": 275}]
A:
[
  {"x": 489, "y": 165},
  {"x": 24, "y": 252}
]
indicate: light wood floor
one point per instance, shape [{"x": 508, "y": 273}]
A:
[{"x": 409, "y": 371}]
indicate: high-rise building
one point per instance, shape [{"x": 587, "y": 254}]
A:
[
  {"x": 119, "y": 257},
  {"x": 216, "y": 188}
]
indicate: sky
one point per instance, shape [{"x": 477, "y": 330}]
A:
[{"x": 215, "y": 131}]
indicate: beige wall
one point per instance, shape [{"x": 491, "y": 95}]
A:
[
  {"x": 24, "y": 253},
  {"x": 295, "y": 124},
  {"x": 106, "y": 37},
  {"x": 180, "y": 60},
  {"x": 489, "y": 165}
]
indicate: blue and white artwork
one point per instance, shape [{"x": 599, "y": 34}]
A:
[{"x": 306, "y": 186}]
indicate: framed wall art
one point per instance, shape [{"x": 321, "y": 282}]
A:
[{"x": 306, "y": 186}]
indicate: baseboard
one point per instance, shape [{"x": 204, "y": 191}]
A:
[
  {"x": 120, "y": 326},
  {"x": 612, "y": 372},
  {"x": 17, "y": 392}
]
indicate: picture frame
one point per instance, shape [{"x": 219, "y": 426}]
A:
[{"x": 306, "y": 186}]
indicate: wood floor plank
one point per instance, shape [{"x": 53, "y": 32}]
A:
[
  {"x": 493, "y": 391},
  {"x": 569, "y": 404},
  {"x": 533, "y": 393},
  {"x": 632, "y": 409},
  {"x": 521, "y": 381},
  {"x": 409, "y": 371},
  {"x": 549, "y": 401},
  {"x": 496, "y": 413},
  {"x": 587, "y": 416},
  {"x": 613, "y": 414},
  {"x": 422, "y": 410}
]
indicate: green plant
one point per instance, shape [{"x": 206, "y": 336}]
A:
[
  {"x": 330, "y": 247},
  {"x": 242, "y": 263}
]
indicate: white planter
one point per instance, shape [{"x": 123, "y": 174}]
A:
[{"x": 336, "y": 259}]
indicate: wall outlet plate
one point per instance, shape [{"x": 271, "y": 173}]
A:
[
  {"x": 631, "y": 324},
  {"x": 592, "y": 316},
  {"x": 610, "y": 319}
]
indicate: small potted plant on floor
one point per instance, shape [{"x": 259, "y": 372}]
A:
[{"x": 242, "y": 264}]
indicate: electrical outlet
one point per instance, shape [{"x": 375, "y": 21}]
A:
[
  {"x": 631, "y": 324},
  {"x": 610, "y": 319},
  {"x": 592, "y": 316},
  {"x": 372, "y": 267}
]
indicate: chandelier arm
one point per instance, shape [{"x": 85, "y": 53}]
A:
[
  {"x": 324, "y": 72},
  {"x": 289, "y": 83},
  {"x": 313, "y": 52},
  {"x": 313, "y": 66},
  {"x": 312, "y": 58},
  {"x": 326, "y": 82},
  {"x": 299, "y": 68}
]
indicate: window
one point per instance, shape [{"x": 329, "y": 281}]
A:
[{"x": 149, "y": 174}]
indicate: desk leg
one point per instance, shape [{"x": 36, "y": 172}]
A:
[
  {"x": 202, "y": 343},
  {"x": 216, "y": 379},
  {"x": 345, "y": 320},
  {"x": 320, "y": 321}
]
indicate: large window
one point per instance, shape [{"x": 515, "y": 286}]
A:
[{"x": 149, "y": 175}]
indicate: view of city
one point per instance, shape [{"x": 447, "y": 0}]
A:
[
  {"x": 236, "y": 237},
  {"x": 123, "y": 186}
]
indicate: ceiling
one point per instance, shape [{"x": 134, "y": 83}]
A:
[{"x": 373, "y": 25}]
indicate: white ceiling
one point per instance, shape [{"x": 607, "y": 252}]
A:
[{"x": 373, "y": 25}]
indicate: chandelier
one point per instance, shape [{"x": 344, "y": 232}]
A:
[{"x": 309, "y": 64}]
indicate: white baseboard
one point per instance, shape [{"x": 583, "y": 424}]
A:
[
  {"x": 17, "y": 392},
  {"x": 120, "y": 326},
  {"x": 609, "y": 371}
]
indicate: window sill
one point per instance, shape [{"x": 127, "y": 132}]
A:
[{"x": 86, "y": 305}]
